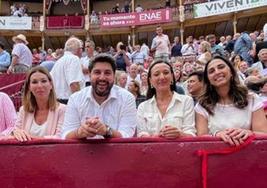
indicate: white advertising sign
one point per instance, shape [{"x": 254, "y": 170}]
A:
[
  {"x": 225, "y": 6},
  {"x": 15, "y": 23}
]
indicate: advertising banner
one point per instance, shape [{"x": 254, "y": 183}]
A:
[
  {"x": 131, "y": 19},
  {"x": 15, "y": 23},
  {"x": 225, "y": 6}
]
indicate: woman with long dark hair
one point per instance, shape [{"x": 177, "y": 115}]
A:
[
  {"x": 166, "y": 113},
  {"x": 226, "y": 109}
]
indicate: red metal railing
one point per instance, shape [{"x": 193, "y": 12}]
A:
[{"x": 12, "y": 85}]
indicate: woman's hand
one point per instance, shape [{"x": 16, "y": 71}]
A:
[
  {"x": 21, "y": 135},
  {"x": 234, "y": 136},
  {"x": 170, "y": 132}
]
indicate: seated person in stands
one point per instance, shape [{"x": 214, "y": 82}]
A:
[
  {"x": 205, "y": 52},
  {"x": 134, "y": 88},
  {"x": 226, "y": 109},
  {"x": 41, "y": 115},
  {"x": 4, "y": 58},
  {"x": 7, "y": 115},
  {"x": 102, "y": 109},
  {"x": 195, "y": 85},
  {"x": 121, "y": 79},
  {"x": 166, "y": 113}
]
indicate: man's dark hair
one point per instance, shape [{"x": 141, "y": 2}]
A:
[
  {"x": 2, "y": 45},
  {"x": 102, "y": 58},
  {"x": 210, "y": 36},
  {"x": 199, "y": 74}
]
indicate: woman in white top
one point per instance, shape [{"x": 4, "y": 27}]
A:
[
  {"x": 237, "y": 60},
  {"x": 205, "y": 50},
  {"x": 165, "y": 114},
  {"x": 226, "y": 109},
  {"x": 41, "y": 115}
]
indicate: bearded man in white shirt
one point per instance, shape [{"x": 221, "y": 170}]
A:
[{"x": 102, "y": 109}]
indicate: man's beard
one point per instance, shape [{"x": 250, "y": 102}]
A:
[{"x": 103, "y": 93}]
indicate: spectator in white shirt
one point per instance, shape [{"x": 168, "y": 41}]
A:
[
  {"x": 138, "y": 57},
  {"x": 94, "y": 17},
  {"x": 133, "y": 74},
  {"x": 102, "y": 109},
  {"x": 166, "y": 113},
  {"x": 67, "y": 72},
  {"x": 138, "y": 9},
  {"x": 189, "y": 48},
  {"x": 90, "y": 53},
  {"x": 145, "y": 49},
  {"x": 21, "y": 55},
  {"x": 161, "y": 45},
  {"x": 122, "y": 80}
]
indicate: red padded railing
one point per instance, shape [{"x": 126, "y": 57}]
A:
[
  {"x": 12, "y": 85},
  {"x": 130, "y": 163}
]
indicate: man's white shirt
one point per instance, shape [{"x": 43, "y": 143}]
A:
[
  {"x": 67, "y": 70},
  {"x": 118, "y": 111}
]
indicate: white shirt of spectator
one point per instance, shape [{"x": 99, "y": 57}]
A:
[
  {"x": 139, "y": 9},
  {"x": 24, "y": 54},
  {"x": 94, "y": 18},
  {"x": 118, "y": 111},
  {"x": 179, "y": 114},
  {"x": 67, "y": 70},
  {"x": 163, "y": 48},
  {"x": 188, "y": 50},
  {"x": 138, "y": 57},
  {"x": 236, "y": 118},
  {"x": 85, "y": 61},
  {"x": 129, "y": 79},
  {"x": 145, "y": 49}
]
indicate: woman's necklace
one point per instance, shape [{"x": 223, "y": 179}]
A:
[{"x": 163, "y": 105}]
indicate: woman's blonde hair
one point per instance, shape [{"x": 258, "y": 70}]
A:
[
  {"x": 205, "y": 46},
  {"x": 28, "y": 99}
]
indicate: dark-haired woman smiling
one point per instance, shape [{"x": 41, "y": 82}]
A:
[
  {"x": 226, "y": 109},
  {"x": 166, "y": 113}
]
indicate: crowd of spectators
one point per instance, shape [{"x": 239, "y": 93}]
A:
[
  {"x": 19, "y": 10},
  {"x": 157, "y": 90}
]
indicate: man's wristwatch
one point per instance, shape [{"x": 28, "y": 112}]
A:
[{"x": 109, "y": 132}]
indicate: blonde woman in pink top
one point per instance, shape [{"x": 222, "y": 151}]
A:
[
  {"x": 41, "y": 116},
  {"x": 7, "y": 115}
]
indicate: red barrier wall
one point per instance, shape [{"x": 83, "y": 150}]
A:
[
  {"x": 8, "y": 79},
  {"x": 133, "y": 162}
]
